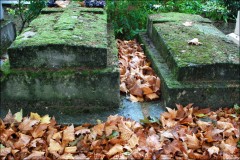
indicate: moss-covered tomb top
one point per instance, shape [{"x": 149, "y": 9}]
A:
[
  {"x": 216, "y": 47},
  {"x": 72, "y": 26}
]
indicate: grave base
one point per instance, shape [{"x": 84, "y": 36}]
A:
[{"x": 212, "y": 94}]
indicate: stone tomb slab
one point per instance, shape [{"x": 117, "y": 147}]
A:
[
  {"x": 84, "y": 90},
  {"x": 72, "y": 37},
  {"x": 212, "y": 94},
  {"x": 216, "y": 59}
]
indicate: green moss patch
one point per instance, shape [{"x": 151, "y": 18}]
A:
[{"x": 216, "y": 58}]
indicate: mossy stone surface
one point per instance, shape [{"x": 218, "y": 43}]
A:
[
  {"x": 212, "y": 94},
  {"x": 216, "y": 59},
  {"x": 62, "y": 39}
]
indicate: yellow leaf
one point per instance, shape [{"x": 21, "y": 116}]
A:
[
  {"x": 45, "y": 119},
  {"x": 18, "y": 116},
  {"x": 35, "y": 116},
  {"x": 70, "y": 149},
  {"x": 54, "y": 146}
]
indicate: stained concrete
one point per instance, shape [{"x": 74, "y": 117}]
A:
[
  {"x": 8, "y": 35},
  {"x": 206, "y": 75},
  {"x": 128, "y": 109}
]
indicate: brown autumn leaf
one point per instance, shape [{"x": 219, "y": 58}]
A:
[
  {"x": 137, "y": 77},
  {"x": 152, "y": 96},
  {"x": 133, "y": 141},
  {"x": 9, "y": 118},
  {"x": 126, "y": 132},
  {"x": 35, "y": 155},
  {"x": 39, "y": 130},
  {"x": 5, "y": 151},
  {"x": 99, "y": 129},
  {"x": 22, "y": 141},
  {"x": 192, "y": 141},
  {"x": 114, "y": 150},
  {"x": 194, "y": 41},
  {"x": 68, "y": 134},
  {"x": 27, "y": 124},
  {"x": 153, "y": 141},
  {"x": 213, "y": 150}
]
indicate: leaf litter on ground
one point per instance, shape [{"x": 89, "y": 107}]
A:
[
  {"x": 136, "y": 75},
  {"x": 176, "y": 134}
]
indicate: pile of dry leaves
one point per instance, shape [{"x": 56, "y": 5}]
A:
[
  {"x": 136, "y": 75},
  {"x": 185, "y": 133}
]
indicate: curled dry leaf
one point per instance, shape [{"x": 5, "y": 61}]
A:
[
  {"x": 35, "y": 155},
  {"x": 136, "y": 75},
  {"x": 188, "y": 23},
  {"x": 213, "y": 150},
  {"x": 27, "y": 124},
  {"x": 192, "y": 141},
  {"x": 115, "y": 149},
  {"x": 194, "y": 41},
  {"x": 185, "y": 133}
]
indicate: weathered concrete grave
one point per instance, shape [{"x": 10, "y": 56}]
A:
[
  {"x": 207, "y": 74},
  {"x": 66, "y": 57},
  {"x": 7, "y": 35}
]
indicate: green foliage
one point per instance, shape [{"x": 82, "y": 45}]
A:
[
  {"x": 215, "y": 10},
  {"x": 27, "y": 10},
  {"x": 129, "y": 17}
]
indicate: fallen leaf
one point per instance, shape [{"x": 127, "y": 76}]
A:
[
  {"x": 35, "y": 116},
  {"x": 9, "y": 118},
  {"x": 35, "y": 155},
  {"x": 188, "y": 23},
  {"x": 213, "y": 150},
  {"x": 192, "y": 141},
  {"x": 68, "y": 134},
  {"x": 54, "y": 146},
  {"x": 115, "y": 149},
  {"x": 22, "y": 141},
  {"x": 66, "y": 156},
  {"x": 18, "y": 116},
  {"x": 70, "y": 149},
  {"x": 27, "y": 124},
  {"x": 45, "y": 119},
  {"x": 194, "y": 41},
  {"x": 133, "y": 141},
  {"x": 152, "y": 96}
]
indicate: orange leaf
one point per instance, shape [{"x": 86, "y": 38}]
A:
[
  {"x": 99, "y": 129},
  {"x": 152, "y": 96},
  {"x": 39, "y": 130},
  {"x": 147, "y": 90},
  {"x": 68, "y": 134},
  {"x": 192, "y": 141}
]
